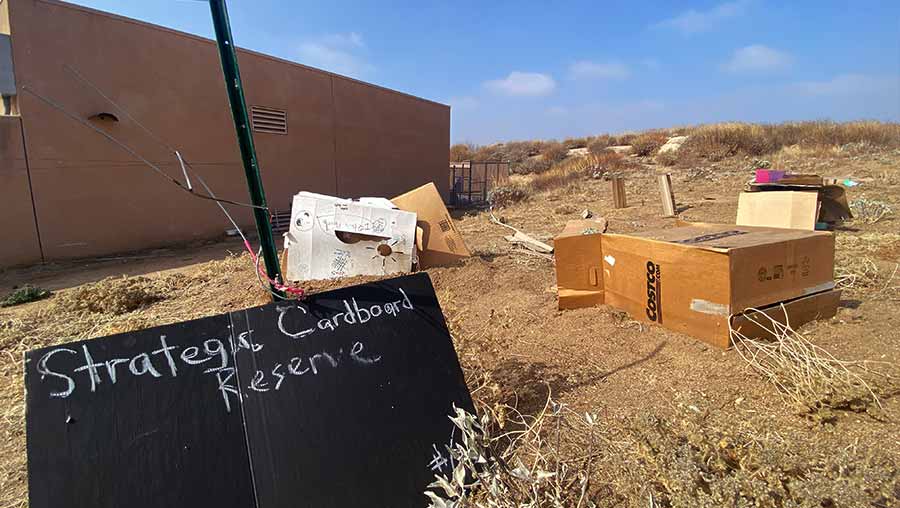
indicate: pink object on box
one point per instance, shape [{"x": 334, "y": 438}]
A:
[{"x": 768, "y": 175}]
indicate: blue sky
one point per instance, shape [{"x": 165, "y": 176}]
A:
[{"x": 528, "y": 70}]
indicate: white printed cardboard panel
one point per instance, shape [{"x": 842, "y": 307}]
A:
[{"x": 324, "y": 242}]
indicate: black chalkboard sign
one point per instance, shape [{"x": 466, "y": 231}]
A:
[{"x": 338, "y": 400}]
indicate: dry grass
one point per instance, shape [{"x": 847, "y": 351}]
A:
[
  {"x": 557, "y": 457},
  {"x": 564, "y": 173},
  {"x": 810, "y": 377},
  {"x": 869, "y": 211},
  {"x": 716, "y": 142}
]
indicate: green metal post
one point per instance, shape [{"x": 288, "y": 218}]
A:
[{"x": 245, "y": 138}]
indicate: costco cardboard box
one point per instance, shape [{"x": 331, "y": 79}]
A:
[
  {"x": 579, "y": 264},
  {"x": 692, "y": 279}
]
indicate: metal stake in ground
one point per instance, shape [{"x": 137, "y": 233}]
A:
[{"x": 245, "y": 138}]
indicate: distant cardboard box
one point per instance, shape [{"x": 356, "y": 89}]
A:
[
  {"x": 693, "y": 279},
  {"x": 440, "y": 243},
  {"x": 331, "y": 237},
  {"x": 791, "y": 201},
  {"x": 579, "y": 266}
]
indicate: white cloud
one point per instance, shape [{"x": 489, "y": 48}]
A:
[
  {"x": 757, "y": 58},
  {"x": 338, "y": 53},
  {"x": 847, "y": 84},
  {"x": 523, "y": 84},
  {"x": 587, "y": 69},
  {"x": 692, "y": 21}
]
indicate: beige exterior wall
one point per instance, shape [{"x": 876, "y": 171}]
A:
[
  {"x": 345, "y": 137},
  {"x": 17, "y": 224}
]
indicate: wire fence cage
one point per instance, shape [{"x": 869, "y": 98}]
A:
[{"x": 471, "y": 181}]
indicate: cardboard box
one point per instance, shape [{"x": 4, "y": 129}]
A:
[
  {"x": 692, "y": 279},
  {"x": 579, "y": 264},
  {"x": 782, "y": 209},
  {"x": 788, "y": 202},
  {"x": 332, "y": 237},
  {"x": 440, "y": 243}
]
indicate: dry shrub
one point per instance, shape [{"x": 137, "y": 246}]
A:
[
  {"x": 807, "y": 375},
  {"x": 116, "y": 295},
  {"x": 507, "y": 459},
  {"x": 505, "y": 195},
  {"x": 669, "y": 158},
  {"x": 869, "y": 211},
  {"x": 599, "y": 144},
  {"x": 626, "y": 139},
  {"x": 861, "y": 275},
  {"x": 611, "y": 162},
  {"x": 648, "y": 143},
  {"x": 570, "y": 143},
  {"x": 531, "y": 165},
  {"x": 554, "y": 152},
  {"x": 462, "y": 152}
]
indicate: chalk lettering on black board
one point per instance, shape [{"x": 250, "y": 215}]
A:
[
  {"x": 278, "y": 375},
  {"x": 294, "y": 367},
  {"x": 282, "y": 311},
  {"x": 258, "y": 383},
  {"x": 243, "y": 343},
  {"x": 44, "y": 372},
  {"x": 140, "y": 365},
  {"x": 111, "y": 367},
  {"x": 91, "y": 367},
  {"x": 225, "y": 386},
  {"x": 315, "y": 364},
  {"x": 355, "y": 354},
  {"x": 323, "y": 354},
  {"x": 354, "y": 315},
  {"x": 165, "y": 350}
]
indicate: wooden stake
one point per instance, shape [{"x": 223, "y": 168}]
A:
[
  {"x": 665, "y": 193},
  {"x": 618, "y": 189}
]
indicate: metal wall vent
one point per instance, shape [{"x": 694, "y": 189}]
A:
[{"x": 268, "y": 120}]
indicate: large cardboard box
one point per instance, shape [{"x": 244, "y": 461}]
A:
[
  {"x": 579, "y": 264},
  {"x": 692, "y": 279},
  {"x": 331, "y": 237},
  {"x": 441, "y": 244}
]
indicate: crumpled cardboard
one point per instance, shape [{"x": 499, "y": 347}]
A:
[
  {"x": 439, "y": 242},
  {"x": 331, "y": 237}
]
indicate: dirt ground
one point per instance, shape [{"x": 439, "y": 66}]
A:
[{"x": 501, "y": 307}]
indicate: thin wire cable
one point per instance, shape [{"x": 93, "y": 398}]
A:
[
  {"x": 259, "y": 272},
  {"x": 87, "y": 82},
  {"x": 134, "y": 154}
]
